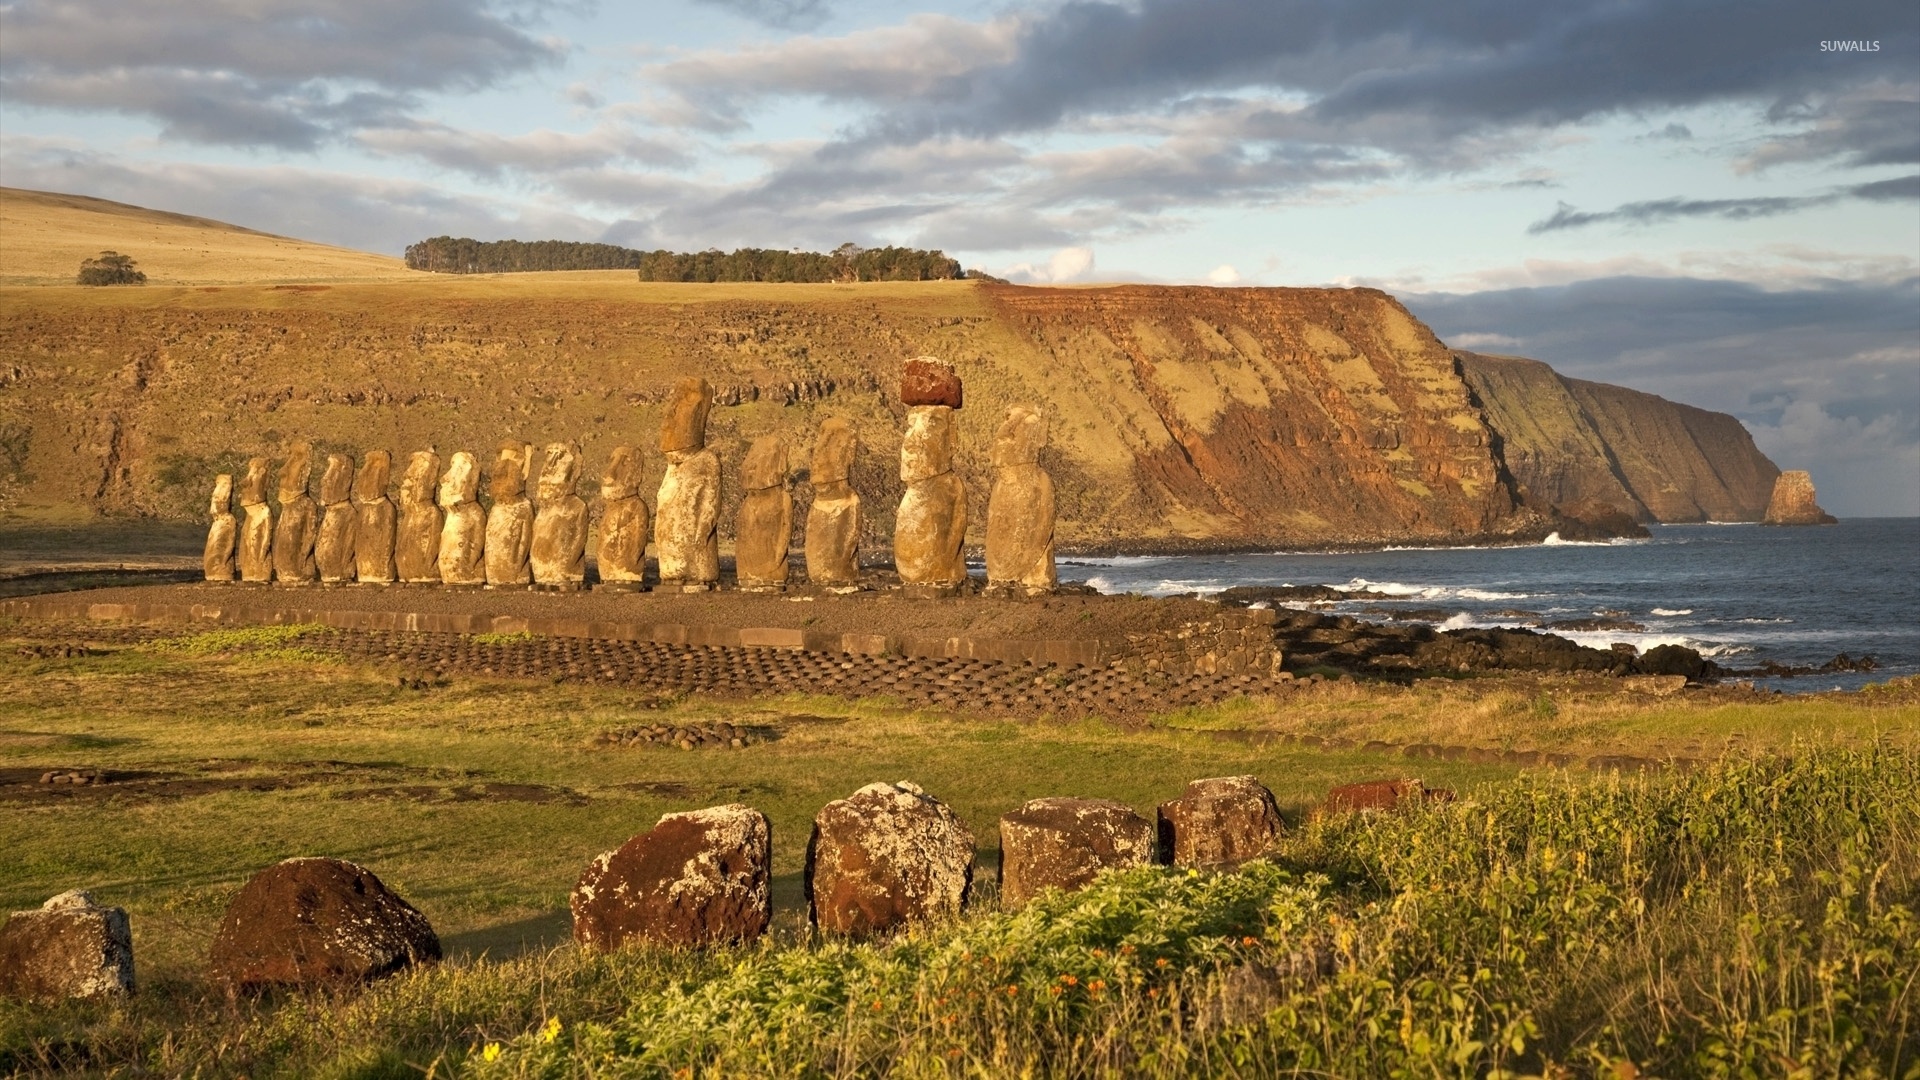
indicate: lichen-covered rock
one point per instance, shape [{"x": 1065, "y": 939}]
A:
[
  {"x": 223, "y": 532},
  {"x": 298, "y": 523},
  {"x": 333, "y": 547},
  {"x": 1063, "y": 843},
  {"x": 1219, "y": 823},
  {"x": 374, "y": 520},
  {"x": 1383, "y": 795},
  {"x": 463, "y": 534},
  {"x": 316, "y": 922},
  {"x": 510, "y": 519},
  {"x": 928, "y": 381},
  {"x": 624, "y": 522},
  {"x": 256, "y": 525},
  {"x": 1792, "y": 501},
  {"x": 559, "y": 551},
  {"x": 885, "y": 856},
  {"x": 763, "y": 529},
  {"x": 833, "y": 518},
  {"x": 1020, "y": 511},
  {"x": 930, "y": 529},
  {"x": 416, "y": 545},
  {"x": 697, "y": 878},
  {"x": 69, "y": 947}
]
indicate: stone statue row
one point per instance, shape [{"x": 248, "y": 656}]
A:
[{"x": 439, "y": 533}]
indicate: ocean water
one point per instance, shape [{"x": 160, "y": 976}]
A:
[{"x": 1741, "y": 594}]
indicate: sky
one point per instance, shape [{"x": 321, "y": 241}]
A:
[{"x": 1718, "y": 202}]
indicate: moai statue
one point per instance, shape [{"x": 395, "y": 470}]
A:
[
  {"x": 374, "y": 519},
  {"x": 463, "y": 535},
  {"x": 623, "y": 524},
  {"x": 559, "y": 553},
  {"x": 687, "y": 513},
  {"x": 510, "y": 521},
  {"x": 256, "y": 525},
  {"x": 333, "y": 551},
  {"x": 216, "y": 560},
  {"x": 763, "y": 530},
  {"x": 1020, "y": 510},
  {"x": 931, "y": 526},
  {"x": 833, "y": 520},
  {"x": 299, "y": 525},
  {"x": 416, "y": 544}
]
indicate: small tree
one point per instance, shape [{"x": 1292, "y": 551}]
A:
[{"x": 111, "y": 268}]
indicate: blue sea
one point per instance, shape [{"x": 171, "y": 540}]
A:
[{"x": 1741, "y": 594}]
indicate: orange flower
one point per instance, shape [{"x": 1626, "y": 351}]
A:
[
  {"x": 1097, "y": 985},
  {"x": 1070, "y": 980},
  {"x": 1249, "y": 941},
  {"x": 1160, "y": 963}
]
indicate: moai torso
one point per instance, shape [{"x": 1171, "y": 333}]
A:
[
  {"x": 623, "y": 522},
  {"x": 763, "y": 530},
  {"x": 374, "y": 520},
  {"x": 559, "y": 554},
  {"x": 299, "y": 525},
  {"x": 256, "y": 525},
  {"x": 510, "y": 519},
  {"x": 1020, "y": 510},
  {"x": 333, "y": 550},
  {"x": 416, "y": 544},
  {"x": 931, "y": 527},
  {"x": 463, "y": 534},
  {"x": 217, "y": 558},
  {"x": 687, "y": 513},
  {"x": 833, "y": 519}
]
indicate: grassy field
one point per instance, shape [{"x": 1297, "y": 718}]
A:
[{"x": 1751, "y": 915}]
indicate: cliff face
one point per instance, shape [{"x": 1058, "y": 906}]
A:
[{"x": 1567, "y": 440}]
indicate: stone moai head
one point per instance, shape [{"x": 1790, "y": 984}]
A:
[
  {"x": 766, "y": 464},
  {"x": 376, "y": 469},
  {"x": 560, "y": 471},
  {"x": 253, "y": 489},
  {"x": 508, "y": 482},
  {"x": 336, "y": 484},
  {"x": 296, "y": 475},
  {"x": 1020, "y": 437},
  {"x": 416, "y": 485},
  {"x": 622, "y": 478},
  {"x": 462, "y": 480},
  {"x": 833, "y": 454},
  {"x": 685, "y": 425},
  {"x": 926, "y": 450},
  {"x": 222, "y": 502}
]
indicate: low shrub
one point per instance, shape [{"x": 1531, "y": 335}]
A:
[{"x": 110, "y": 268}]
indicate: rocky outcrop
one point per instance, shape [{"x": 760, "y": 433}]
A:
[
  {"x": 886, "y": 856},
  {"x": 697, "y": 878},
  {"x": 317, "y": 922},
  {"x": 1064, "y": 843},
  {"x": 68, "y": 947},
  {"x": 1792, "y": 502},
  {"x": 1220, "y": 822}
]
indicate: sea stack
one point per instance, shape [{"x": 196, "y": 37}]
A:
[
  {"x": 763, "y": 530},
  {"x": 216, "y": 559},
  {"x": 559, "y": 553},
  {"x": 333, "y": 549},
  {"x": 299, "y": 525},
  {"x": 931, "y": 525},
  {"x": 1792, "y": 502},
  {"x": 833, "y": 518},
  {"x": 416, "y": 547},
  {"x": 510, "y": 518},
  {"x": 623, "y": 523},
  {"x": 1020, "y": 510},
  {"x": 687, "y": 513},
  {"x": 464, "y": 535},
  {"x": 374, "y": 520},
  {"x": 256, "y": 525}
]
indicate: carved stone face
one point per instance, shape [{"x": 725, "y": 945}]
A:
[
  {"x": 833, "y": 454},
  {"x": 376, "y": 470},
  {"x": 560, "y": 472},
  {"x": 509, "y": 479},
  {"x": 253, "y": 490},
  {"x": 336, "y": 484},
  {"x": 1020, "y": 438},
  {"x": 622, "y": 478},
  {"x": 416, "y": 487},
  {"x": 685, "y": 425},
  {"x": 927, "y": 448},
  {"x": 297, "y": 474},
  {"x": 462, "y": 480},
  {"x": 766, "y": 464},
  {"x": 222, "y": 501}
]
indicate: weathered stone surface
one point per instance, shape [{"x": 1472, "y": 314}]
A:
[
  {"x": 1792, "y": 501},
  {"x": 416, "y": 546},
  {"x": 885, "y": 856},
  {"x": 510, "y": 519},
  {"x": 463, "y": 534},
  {"x": 298, "y": 523},
  {"x": 314, "y": 922},
  {"x": 698, "y": 878},
  {"x": 833, "y": 518},
  {"x": 1063, "y": 843},
  {"x": 686, "y": 534},
  {"x": 559, "y": 552},
  {"x": 763, "y": 529},
  {"x": 1220, "y": 822},
  {"x": 1384, "y": 795},
  {"x": 624, "y": 522},
  {"x": 69, "y": 947},
  {"x": 217, "y": 560},
  {"x": 685, "y": 425},
  {"x": 256, "y": 524},
  {"x": 1020, "y": 511},
  {"x": 930, "y": 529},
  {"x": 375, "y": 520},
  {"x": 333, "y": 548},
  {"x": 928, "y": 381}
]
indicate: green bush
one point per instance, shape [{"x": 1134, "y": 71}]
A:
[{"x": 110, "y": 268}]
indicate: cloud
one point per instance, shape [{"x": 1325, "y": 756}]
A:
[
  {"x": 541, "y": 153},
  {"x": 779, "y": 14},
  {"x": 1655, "y": 211},
  {"x": 1066, "y": 265},
  {"x": 1224, "y": 274}
]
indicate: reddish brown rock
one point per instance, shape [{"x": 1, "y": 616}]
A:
[
  {"x": 1064, "y": 843},
  {"x": 298, "y": 524},
  {"x": 698, "y": 878},
  {"x": 316, "y": 922},
  {"x": 1383, "y": 795},
  {"x": 463, "y": 533},
  {"x": 886, "y": 856},
  {"x": 559, "y": 551},
  {"x": 416, "y": 544},
  {"x": 374, "y": 520},
  {"x": 1792, "y": 502},
  {"x": 223, "y": 531},
  {"x": 1219, "y": 823},
  {"x": 927, "y": 381},
  {"x": 256, "y": 525},
  {"x": 763, "y": 528},
  {"x": 624, "y": 522},
  {"x": 69, "y": 947}
]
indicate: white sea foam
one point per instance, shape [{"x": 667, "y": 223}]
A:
[
  {"x": 1395, "y": 590},
  {"x": 1668, "y": 613}
]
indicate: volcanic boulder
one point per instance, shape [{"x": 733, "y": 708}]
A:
[
  {"x": 697, "y": 878},
  {"x": 927, "y": 381},
  {"x": 1219, "y": 823},
  {"x": 216, "y": 558},
  {"x": 69, "y": 947},
  {"x": 1064, "y": 843},
  {"x": 886, "y": 856},
  {"x": 1792, "y": 502},
  {"x": 316, "y": 922}
]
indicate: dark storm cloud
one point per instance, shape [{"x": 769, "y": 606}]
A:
[
  {"x": 282, "y": 73},
  {"x": 1654, "y": 211}
]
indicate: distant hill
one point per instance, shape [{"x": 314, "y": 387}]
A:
[{"x": 44, "y": 236}]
